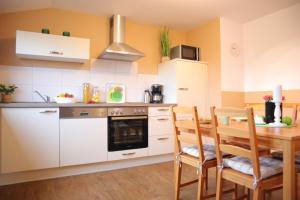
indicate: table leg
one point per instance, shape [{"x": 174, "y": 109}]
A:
[{"x": 289, "y": 174}]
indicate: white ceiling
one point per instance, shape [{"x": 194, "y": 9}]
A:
[{"x": 179, "y": 14}]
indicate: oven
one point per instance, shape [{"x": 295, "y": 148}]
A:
[{"x": 127, "y": 128}]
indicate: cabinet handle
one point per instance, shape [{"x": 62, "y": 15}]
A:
[
  {"x": 163, "y": 119},
  {"x": 56, "y": 53},
  {"x": 48, "y": 111},
  {"x": 163, "y": 138},
  {"x": 128, "y": 154},
  {"x": 163, "y": 109},
  {"x": 183, "y": 89}
]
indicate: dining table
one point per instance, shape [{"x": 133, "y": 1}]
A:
[{"x": 285, "y": 139}]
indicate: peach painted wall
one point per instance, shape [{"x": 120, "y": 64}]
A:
[
  {"x": 143, "y": 37},
  {"x": 271, "y": 49},
  {"x": 207, "y": 37}
]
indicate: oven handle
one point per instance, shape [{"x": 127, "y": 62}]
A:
[
  {"x": 128, "y": 154},
  {"x": 124, "y": 118}
]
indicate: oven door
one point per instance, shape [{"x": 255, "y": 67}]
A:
[{"x": 127, "y": 132}]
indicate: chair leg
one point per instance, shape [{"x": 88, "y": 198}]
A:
[
  {"x": 247, "y": 192},
  {"x": 257, "y": 194},
  {"x": 219, "y": 185},
  {"x": 200, "y": 186},
  {"x": 178, "y": 171},
  {"x": 235, "y": 192},
  {"x": 206, "y": 179},
  {"x": 296, "y": 185}
]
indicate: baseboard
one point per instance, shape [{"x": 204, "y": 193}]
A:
[{"x": 12, "y": 178}]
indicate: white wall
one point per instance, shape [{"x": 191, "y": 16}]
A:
[
  {"x": 232, "y": 72},
  {"x": 52, "y": 81},
  {"x": 272, "y": 51}
]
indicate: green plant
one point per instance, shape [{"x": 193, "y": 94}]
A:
[
  {"x": 165, "y": 42},
  {"x": 6, "y": 90}
]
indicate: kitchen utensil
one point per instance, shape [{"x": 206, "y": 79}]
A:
[{"x": 147, "y": 96}]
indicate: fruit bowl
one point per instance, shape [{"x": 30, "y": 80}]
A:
[{"x": 65, "y": 100}]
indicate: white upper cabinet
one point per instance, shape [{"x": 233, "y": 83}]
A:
[{"x": 52, "y": 47}]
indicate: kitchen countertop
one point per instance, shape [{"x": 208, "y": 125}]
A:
[{"x": 56, "y": 105}]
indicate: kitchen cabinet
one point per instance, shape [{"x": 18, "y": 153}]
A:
[
  {"x": 127, "y": 154},
  {"x": 83, "y": 141},
  {"x": 29, "y": 139},
  {"x": 185, "y": 83},
  {"x": 161, "y": 137},
  {"x": 51, "y": 47}
]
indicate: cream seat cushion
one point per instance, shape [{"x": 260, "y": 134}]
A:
[
  {"x": 268, "y": 165},
  {"x": 209, "y": 151}
]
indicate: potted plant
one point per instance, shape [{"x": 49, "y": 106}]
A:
[
  {"x": 165, "y": 43},
  {"x": 6, "y": 92},
  {"x": 270, "y": 107}
]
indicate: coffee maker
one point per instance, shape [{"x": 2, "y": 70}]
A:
[{"x": 156, "y": 93}]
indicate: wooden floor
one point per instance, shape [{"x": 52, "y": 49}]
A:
[{"x": 153, "y": 182}]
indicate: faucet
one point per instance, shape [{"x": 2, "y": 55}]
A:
[{"x": 45, "y": 98}]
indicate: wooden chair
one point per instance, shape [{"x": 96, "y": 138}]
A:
[
  {"x": 187, "y": 140},
  {"x": 262, "y": 176}
]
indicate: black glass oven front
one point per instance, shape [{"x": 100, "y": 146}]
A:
[{"x": 127, "y": 132}]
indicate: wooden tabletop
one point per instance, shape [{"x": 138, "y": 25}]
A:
[{"x": 292, "y": 133}]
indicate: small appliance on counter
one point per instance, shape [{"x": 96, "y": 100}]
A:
[
  {"x": 147, "y": 96},
  {"x": 156, "y": 93},
  {"x": 185, "y": 52}
]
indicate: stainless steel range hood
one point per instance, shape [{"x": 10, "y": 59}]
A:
[{"x": 118, "y": 49}]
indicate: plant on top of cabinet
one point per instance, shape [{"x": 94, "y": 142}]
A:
[
  {"x": 6, "y": 92},
  {"x": 165, "y": 43}
]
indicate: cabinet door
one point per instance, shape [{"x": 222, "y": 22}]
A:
[
  {"x": 161, "y": 144},
  {"x": 160, "y": 125},
  {"x": 192, "y": 85},
  {"x": 29, "y": 139},
  {"x": 83, "y": 141},
  {"x": 52, "y": 47}
]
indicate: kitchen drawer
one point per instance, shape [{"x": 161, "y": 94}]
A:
[
  {"x": 160, "y": 125},
  {"x": 158, "y": 111},
  {"x": 127, "y": 154},
  {"x": 161, "y": 144}
]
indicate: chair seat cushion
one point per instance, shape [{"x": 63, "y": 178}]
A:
[
  {"x": 268, "y": 165},
  {"x": 279, "y": 155},
  {"x": 209, "y": 151}
]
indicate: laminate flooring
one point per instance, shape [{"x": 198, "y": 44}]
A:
[{"x": 150, "y": 182}]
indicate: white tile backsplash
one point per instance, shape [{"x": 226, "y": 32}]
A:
[
  {"x": 52, "y": 81},
  {"x": 75, "y": 77},
  {"x": 47, "y": 77},
  {"x": 23, "y": 93},
  {"x": 19, "y": 75}
]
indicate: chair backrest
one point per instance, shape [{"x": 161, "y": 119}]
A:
[
  {"x": 187, "y": 129},
  {"x": 237, "y": 131}
]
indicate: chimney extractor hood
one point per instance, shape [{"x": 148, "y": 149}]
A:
[{"x": 118, "y": 49}]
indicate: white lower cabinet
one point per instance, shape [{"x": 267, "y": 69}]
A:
[
  {"x": 160, "y": 124},
  {"x": 161, "y": 144},
  {"x": 161, "y": 136},
  {"x": 29, "y": 139},
  {"x": 126, "y": 154},
  {"x": 83, "y": 141}
]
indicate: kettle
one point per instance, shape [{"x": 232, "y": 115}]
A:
[{"x": 147, "y": 96}]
